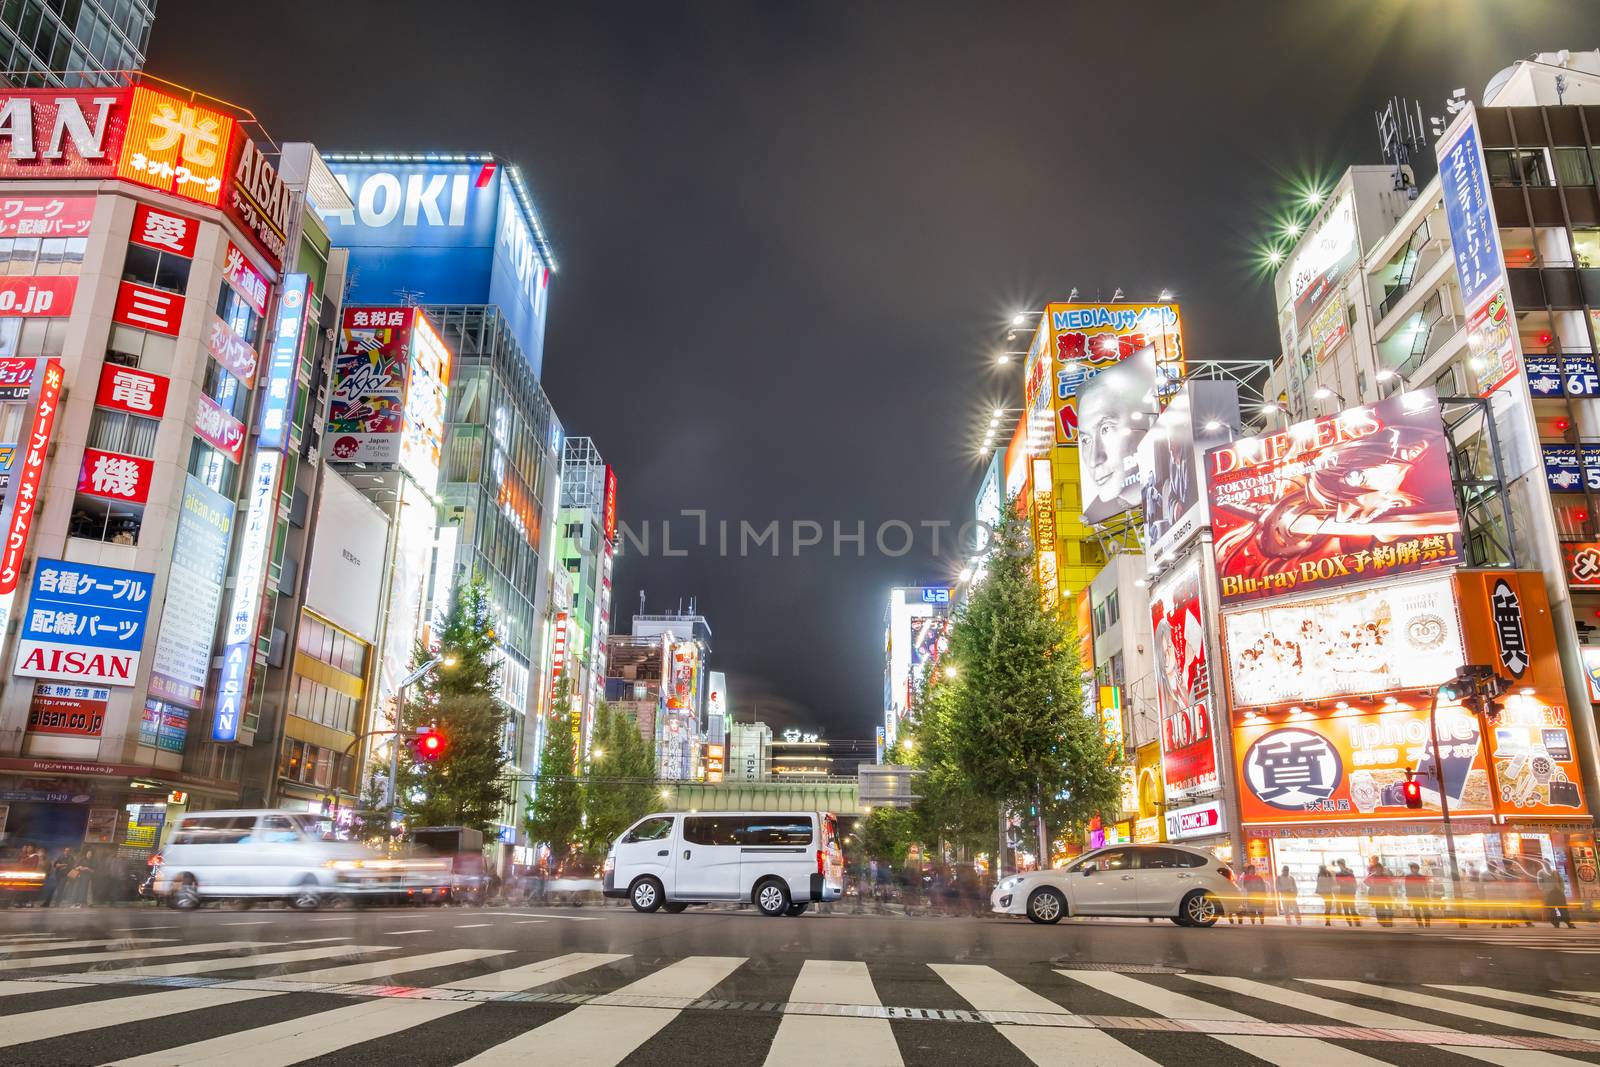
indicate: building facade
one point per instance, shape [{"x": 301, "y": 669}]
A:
[
  {"x": 916, "y": 625},
  {"x": 95, "y": 42},
  {"x": 586, "y": 541}
]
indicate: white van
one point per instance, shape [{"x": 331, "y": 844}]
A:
[
  {"x": 265, "y": 854},
  {"x": 780, "y": 861}
]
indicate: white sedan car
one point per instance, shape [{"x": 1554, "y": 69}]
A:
[{"x": 1187, "y": 885}]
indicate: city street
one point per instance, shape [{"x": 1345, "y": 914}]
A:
[{"x": 605, "y": 985}]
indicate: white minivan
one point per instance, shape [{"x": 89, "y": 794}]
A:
[
  {"x": 266, "y": 854},
  {"x": 779, "y": 861}
]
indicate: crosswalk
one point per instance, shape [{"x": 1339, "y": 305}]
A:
[
  {"x": 261, "y": 1004},
  {"x": 1585, "y": 942}
]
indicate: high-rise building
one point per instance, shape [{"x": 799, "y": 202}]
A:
[
  {"x": 680, "y": 727},
  {"x": 916, "y": 626},
  {"x": 71, "y": 45},
  {"x": 586, "y": 531},
  {"x": 749, "y": 752}
]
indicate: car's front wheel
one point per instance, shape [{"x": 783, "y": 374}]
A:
[
  {"x": 307, "y": 896},
  {"x": 646, "y": 895},
  {"x": 1046, "y": 905},
  {"x": 1199, "y": 909},
  {"x": 674, "y": 907}
]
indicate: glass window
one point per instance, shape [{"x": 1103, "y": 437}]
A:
[
  {"x": 1573, "y": 167},
  {"x": 1168, "y": 859},
  {"x": 108, "y": 521},
  {"x": 213, "y": 830},
  {"x": 118, "y": 431},
  {"x": 769, "y": 830},
  {"x": 276, "y": 828},
  {"x": 163, "y": 270},
  {"x": 234, "y": 310},
  {"x": 709, "y": 830},
  {"x": 654, "y": 829},
  {"x": 1586, "y": 247}
]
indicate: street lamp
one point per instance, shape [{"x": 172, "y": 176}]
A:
[{"x": 399, "y": 709}]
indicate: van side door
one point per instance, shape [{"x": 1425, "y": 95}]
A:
[
  {"x": 707, "y": 862},
  {"x": 779, "y": 844}
]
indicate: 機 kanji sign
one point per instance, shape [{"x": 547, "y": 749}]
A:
[
  {"x": 84, "y": 623},
  {"x": 115, "y": 476}
]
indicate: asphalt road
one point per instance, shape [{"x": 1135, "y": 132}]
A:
[{"x": 604, "y": 985}]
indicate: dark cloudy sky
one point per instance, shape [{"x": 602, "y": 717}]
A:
[{"x": 790, "y": 233}]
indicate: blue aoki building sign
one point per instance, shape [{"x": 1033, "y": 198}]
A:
[{"x": 445, "y": 229}]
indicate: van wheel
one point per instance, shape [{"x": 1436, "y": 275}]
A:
[
  {"x": 1046, "y": 906},
  {"x": 187, "y": 896},
  {"x": 673, "y": 907},
  {"x": 646, "y": 895},
  {"x": 1199, "y": 909},
  {"x": 307, "y": 897},
  {"x": 772, "y": 897},
  {"x": 796, "y": 909}
]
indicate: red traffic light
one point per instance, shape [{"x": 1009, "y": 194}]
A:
[
  {"x": 428, "y": 744},
  {"x": 1411, "y": 790}
]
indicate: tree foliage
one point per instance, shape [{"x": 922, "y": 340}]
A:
[
  {"x": 555, "y": 812},
  {"x": 621, "y": 779},
  {"x": 466, "y": 786}
]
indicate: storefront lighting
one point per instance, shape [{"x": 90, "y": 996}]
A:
[
  {"x": 1342, "y": 705},
  {"x": 1390, "y": 700},
  {"x": 1562, "y": 425},
  {"x": 1527, "y": 690}
]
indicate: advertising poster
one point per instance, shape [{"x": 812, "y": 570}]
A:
[
  {"x": 1582, "y": 559},
  {"x": 1353, "y": 764},
  {"x": 1183, "y": 683},
  {"x": 366, "y": 414},
  {"x": 182, "y": 656},
  {"x": 1323, "y": 258},
  {"x": 1475, "y": 243},
  {"x": 345, "y": 576},
  {"x": 1569, "y": 374},
  {"x": 1044, "y": 534},
  {"x": 46, "y": 215},
  {"x": 1357, "y": 496},
  {"x": 422, "y": 433},
  {"x": 685, "y": 678},
  {"x": 84, "y": 623},
  {"x": 1201, "y": 416},
  {"x": 1571, "y": 469},
  {"x": 67, "y": 710},
  {"x": 1085, "y": 339},
  {"x": 1371, "y": 640},
  {"x": 1329, "y": 326},
  {"x": 929, "y": 639},
  {"x": 1115, "y": 410}
]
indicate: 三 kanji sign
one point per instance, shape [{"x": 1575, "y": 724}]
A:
[
  {"x": 115, "y": 476},
  {"x": 146, "y": 308},
  {"x": 84, "y": 623},
  {"x": 138, "y": 392}
]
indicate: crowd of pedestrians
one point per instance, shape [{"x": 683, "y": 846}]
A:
[{"x": 73, "y": 877}]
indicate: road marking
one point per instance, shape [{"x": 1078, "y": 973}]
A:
[
  {"x": 1303, "y": 1052},
  {"x": 1571, "y": 1007},
  {"x": 330, "y": 919},
  {"x": 472, "y": 926},
  {"x": 393, "y": 933},
  {"x": 986, "y": 989},
  {"x": 136, "y": 929},
  {"x": 602, "y": 1035},
  {"x": 567, "y": 918},
  {"x": 518, "y": 979},
  {"x": 264, "y": 959},
  {"x": 125, "y": 954},
  {"x": 250, "y": 922},
  {"x": 12, "y": 938},
  {"x": 366, "y": 972},
  {"x": 304, "y": 1038},
  {"x": 527, "y": 922},
  {"x": 1497, "y": 1016},
  {"x": 76, "y": 1018},
  {"x": 848, "y": 1041},
  {"x": 62, "y": 946},
  {"x": 317, "y": 940},
  {"x": 24, "y": 987}
]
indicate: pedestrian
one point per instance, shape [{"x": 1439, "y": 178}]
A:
[
  {"x": 1325, "y": 891},
  {"x": 1419, "y": 894},
  {"x": 1529, "y": 896},
  {"x": 1255, "y": 895},
  {"x": 1554, "y": 891},
  {"x": 1288, "y": 897},
  {"x": 80, "y": 879},
  {"x": 1380, "y": 892},
  {"x": 1344, "y": 881},
  {"x": 55, "y": 894}
]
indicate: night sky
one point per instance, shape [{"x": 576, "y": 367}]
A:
[{"x": 790, "y": 235}]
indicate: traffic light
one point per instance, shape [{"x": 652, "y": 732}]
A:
[
  {"x": 427, "y": 744},
  {"x": 1411, "y": 790}
]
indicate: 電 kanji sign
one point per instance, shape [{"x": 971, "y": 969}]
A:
[
  {"x": 84, "y": 623},
  {"x": 138, "y": 392}
]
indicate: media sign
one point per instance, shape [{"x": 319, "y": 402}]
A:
[
  {"x": 84, "y": 623},
  {"x": 1201, "y": 820},
  {"x": 283, "y": 362},
  {"x": 1078, "y": 341}
]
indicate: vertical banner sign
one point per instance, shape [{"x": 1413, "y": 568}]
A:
[
  {"x": 261, "y": 516},
  {"x": 1475, "y": 242},
  {"x": 1044, "y": 532},
  {"x": 194, "y": 596},
  {"x": 22, "y": 503},
  {"x": 608, "y": 520}
]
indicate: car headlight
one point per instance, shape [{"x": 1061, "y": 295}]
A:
[
  {"x": 344, "y": 865},
  {"x": 1012, "y": 882}
]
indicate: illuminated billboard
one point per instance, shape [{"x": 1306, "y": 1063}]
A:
[
  {"x": 1115, "y": 411},
  {"x": 390, "y": 380},
  {"x": 1321, "y": 260},
  {"x": 1360, "y": 495},
  {"x": 1203, "y": 415},
  {"x": 454, "y": 230},
  {"x": 1370, "y": 640},
  {"x": 1183, "y": 683},
  {"x": 1085, "y": 339}
]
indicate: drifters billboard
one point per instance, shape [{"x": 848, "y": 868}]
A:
[{"x": 1361, "y": 495}]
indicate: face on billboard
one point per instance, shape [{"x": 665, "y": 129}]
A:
[
  {"x": 1086, "y": 339},
  {"x": 1115, "y": 411},
  {"x": 1372, "y": 640},
  {"x": 1362, "y": 495}
]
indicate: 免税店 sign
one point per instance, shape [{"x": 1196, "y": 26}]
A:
[{"x": 84, "y": 623}]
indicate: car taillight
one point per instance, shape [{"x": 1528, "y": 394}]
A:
[
  {"x": 822, "y": 861},
  {"x": 1226, "y": 873}
]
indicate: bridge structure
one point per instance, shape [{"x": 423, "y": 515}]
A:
[{"x": 840, "y": 794}]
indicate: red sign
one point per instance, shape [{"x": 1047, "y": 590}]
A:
[
  {"x": 115, "y": 476},
  {"x": 1361, "y": 495},
  {"x": 231, "y": 351},
  {"x": 74, "y": 710},
  {"x": 259, "y": 200},
  {"x": 164, "y": 231},
  {"x": 245, "y": 279},
  {"x": 219, "y": 429},
  {"x": 609, "y": 518},
  {"x": 145, "y": 308},
  {"x": 558, "y": 647},
  {"x": 38, "y": 445},
  {"x": 175, "y": 145},
  {"x": 46, "y": 216},
  {"x": 1183, "y": 683},
  {"x": 61, "y": 133},
  {"x": 135, "y": 391},
  {"x": 1582, "y": 564},
  {"x": 31, "y": 297}
]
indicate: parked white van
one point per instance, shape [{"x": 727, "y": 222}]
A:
[
  {"x": 266, "y": 854},
  {"x": 780, "y": 861}
]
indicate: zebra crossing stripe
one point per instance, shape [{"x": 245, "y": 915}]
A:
[
  {"x": 366, "y": 972},
  {"x": 1445, "y": 1006},
  {"x": 534, "y": 975},
  {"x": 76, "y": 1018},
  {"x": 602, "y": 1035},
  {"x": 309, "y": 1036},
  {"x": 122, "y": 954},
  {"x": 23, "y": 988},
  {"x": 864, "y": 1041},
  {"x": 1570, "y": 1007},
  {"x": 63, "y": 946},
  {"x": 235, "y": 963},
  {"x": 1304, "y": 1052},
  {"x": 987, "y": 990}
]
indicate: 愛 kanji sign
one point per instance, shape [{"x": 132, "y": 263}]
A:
[
  {"x": 115, "y": 476},
  {"x": 146, "y": 308},
  {"x": 84, "y": 623},
  {"x": 135, "y": 391},
  {"x": 164, "y": 231}
]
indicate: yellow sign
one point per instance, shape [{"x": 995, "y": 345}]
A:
[
  {"x": 176, "y": 146},
  {"x": 1084, "y": 339},
  {"x": 1044, "y": 532}
]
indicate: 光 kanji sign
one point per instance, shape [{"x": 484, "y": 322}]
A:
[{"x": 84, "y": 623}]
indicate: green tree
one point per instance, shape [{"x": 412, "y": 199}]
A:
[
  {"x": 620, "y": 786},
  {"x": 555, "y": 811},
  {"x": 466, "y": 786},
  {"x": 1010, "y": 715}
]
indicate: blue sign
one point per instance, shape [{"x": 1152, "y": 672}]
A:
[
  {"x": 1467, "y": 207},
  {"x": 1575, "y": 375},
  {"x": 935, "y": 595},
  {"x": 1569, "y": 469},
  {"x": 84, "y": 623},
  {"x": 283, "y": 363},
  {"x": 446, "y": 233}
]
